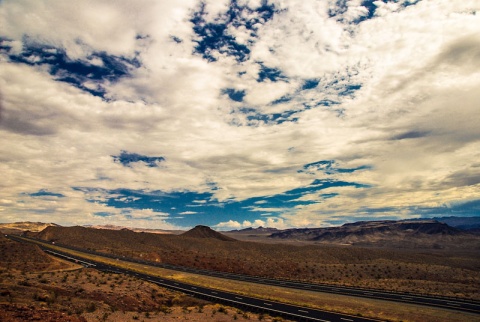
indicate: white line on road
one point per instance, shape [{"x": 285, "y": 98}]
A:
[
  {"x": 267, "y": 304},
  {"x": 71, "y": 258},
  {"x": 303, "y": 311},
  {"x": 238, "y": 298},
  {"x": 346, "y": 319}
]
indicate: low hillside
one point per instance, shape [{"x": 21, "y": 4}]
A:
[
  {"x": 205, "y": 232},
  {"x": 435, "y": 271},
  {"x": 20, "y": 227},
  {"x": 27, "y": 257}
]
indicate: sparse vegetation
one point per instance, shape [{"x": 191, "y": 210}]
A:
[
  {"x": 438, "y": 272},
  {"x": 435, "y": 272},
  {"x": 36, "y": 294}
]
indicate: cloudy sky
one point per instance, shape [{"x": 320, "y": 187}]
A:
[{"x": 169, "y": 114}]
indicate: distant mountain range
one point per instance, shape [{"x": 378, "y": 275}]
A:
[
  {"x": 368, "y": 228},
  {"x": 137, "y": 230},
  {"x": 429, "y": 233},
  {"x": 403, "y": 234},
  {"x": 255, "y": 230},
  {"x": 464, "y": 223}
]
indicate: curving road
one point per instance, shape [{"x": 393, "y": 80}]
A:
[
  {"x": 239, "y": 301},
  {"x": 441, "y": 302}
]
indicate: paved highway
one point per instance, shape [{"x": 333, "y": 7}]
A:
[
  {"x": 442, "y": 302},
  {"x": 254, "y": 304}
]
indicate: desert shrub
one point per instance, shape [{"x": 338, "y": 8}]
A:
[
  {"x": 91, "y": 307},
  {"x": 165, "y": 309}
]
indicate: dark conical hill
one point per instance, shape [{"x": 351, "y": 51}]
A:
[{"x": 205, "y": 232}]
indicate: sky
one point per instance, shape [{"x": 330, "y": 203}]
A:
[{"x": 236, "y": 114}]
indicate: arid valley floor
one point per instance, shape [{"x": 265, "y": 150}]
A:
[{"x": 428, "y": 258}]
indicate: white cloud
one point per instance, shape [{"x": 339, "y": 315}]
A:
[
  {"x": 413, "y": 119},
  {"x": 270, "y": 222},
  {"x": 188, "y": 213},
  {"x": 231, "y": 224}
]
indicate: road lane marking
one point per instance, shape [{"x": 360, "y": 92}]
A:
[
  {"x": 376, "y": 294},
  {"x": 238, "y": 298},
  {"x": 267, "y": 304},
  {"x": 303, "y": 311},
  {"x": 345, "y": 319},
  {"x": 71, "y": 258}
]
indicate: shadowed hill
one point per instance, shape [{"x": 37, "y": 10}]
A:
[
  {"x": 26, "y": 257},
  {"x": 398, "y": 233},
  {"x": 205, "y": 232},
  {"x": 325, "y": 263}
]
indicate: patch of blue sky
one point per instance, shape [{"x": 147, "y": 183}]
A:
[
  {"x": 283, "y": 99},
  {"x": 329, "y": 167},
  {"x": 189, "y": 208},
  {"x": 322, "y": 184},
  {"x": 103, "y": 214},
  {"x": 176, "y": 39},
  {"x": 270, "y": 73},
  {"x": 254, "y": 118},
  {"x": 327, "y": 92},
  {"x": 371, "y": 7},
  {"x": 330, "y": 90},
  {"x": 127, "y": 158},
  {"x": 212, "y": 37},
  {"x": 234, "y": 95},
  {"x": 328, "y": 103},
  {"x": 342, "y": 6},
  {"x": 349, "y": 90},
  {"x": 45, "y": 193},
  {"x": 456, "y": 209},
  {"x": 75, "y": 72},
  {"x": 339, "y": 9},
  {"x": 310, "y": 84},
  {"x": 328, "y": 195}
]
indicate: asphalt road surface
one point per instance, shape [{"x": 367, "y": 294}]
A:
[
  {"x": 253, "y": 304},
  {"x": 442, "y": 302}
]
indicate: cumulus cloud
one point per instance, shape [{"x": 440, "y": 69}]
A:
[
  {"x": 270, "y": 222},
  {"x": 390, "y": 88}
]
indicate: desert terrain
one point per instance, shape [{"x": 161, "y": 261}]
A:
[
  {"x": 422, "y": 258},
  {"x": 37, "y": 287},
  {"x": 434, "y": 269}
]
